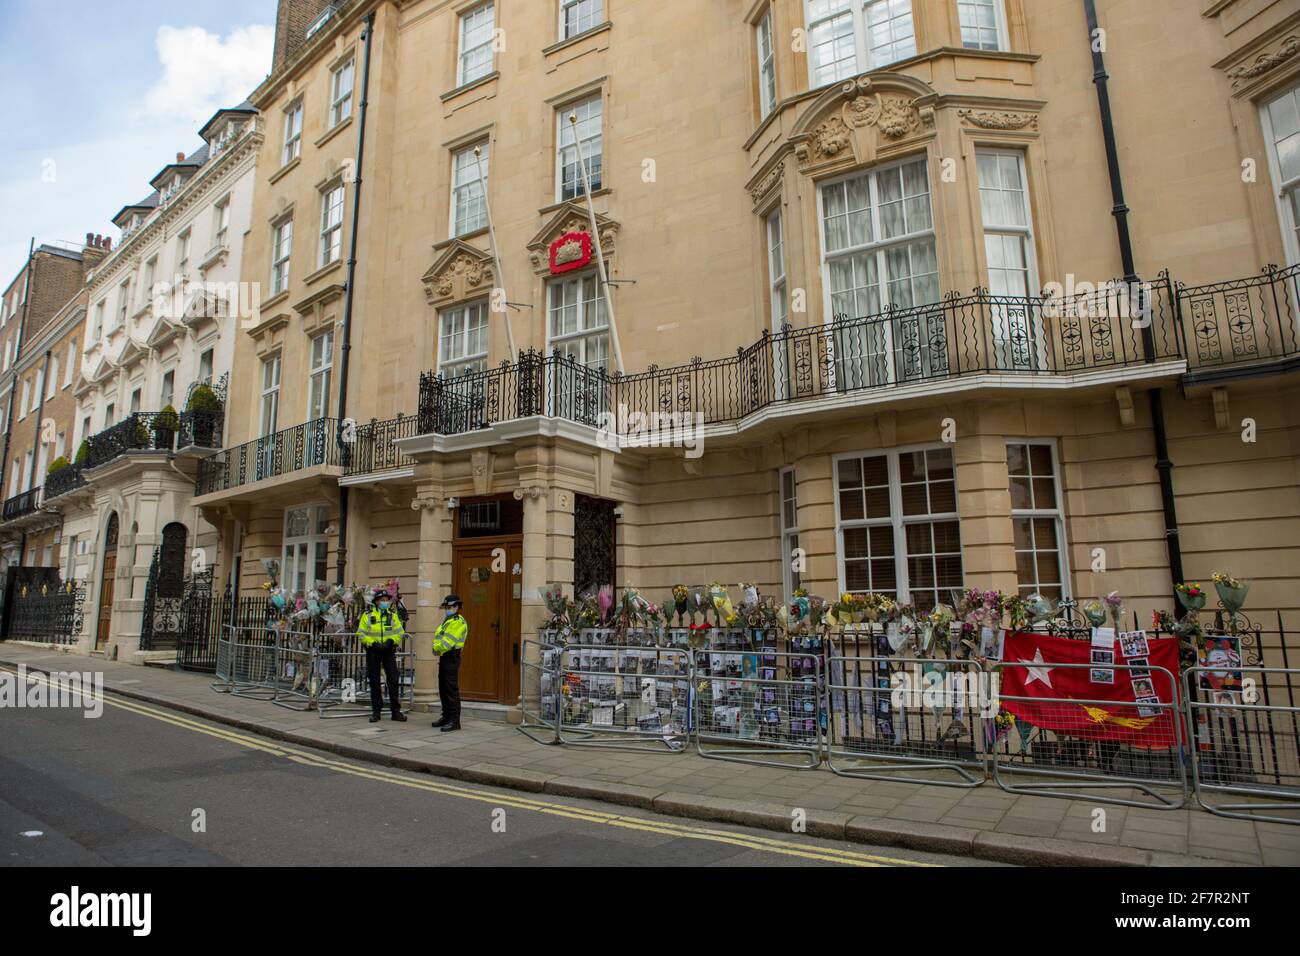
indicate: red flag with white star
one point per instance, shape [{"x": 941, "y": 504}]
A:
[{"x": 1097, "y": 701}]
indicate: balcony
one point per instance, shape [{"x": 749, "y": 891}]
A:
[
  {"x": 271, "y": 456},
  {"x": 64, "y": 481},
  {"x": 374, "y": 448},
  {"x": 1198, "y": 330},
  {"x": 151, "y": 432},
  {"x": 20, "y": 506}
]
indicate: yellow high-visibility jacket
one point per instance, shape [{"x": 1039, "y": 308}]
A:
[
  {"x": 376, "y": 627},
  {"x": 451, "y": 635}
]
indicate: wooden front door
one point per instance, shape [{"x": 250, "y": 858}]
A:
[
  {"x": 489, "y": 669},
  {"x": 107, "y": 576}
]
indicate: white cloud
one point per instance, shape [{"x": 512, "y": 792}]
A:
[{"x": 203, "y": 71}]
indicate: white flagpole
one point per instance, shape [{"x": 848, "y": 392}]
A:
[
  {"x": 600, "y": 252},
  {"x": 496, "y": 257}
]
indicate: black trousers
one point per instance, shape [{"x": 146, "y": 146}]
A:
[
  {"x": 449, "y": 685},
  {"x": 383, "y": 655}
]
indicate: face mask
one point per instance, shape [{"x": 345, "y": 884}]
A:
[{"x": 383, "y": 605}]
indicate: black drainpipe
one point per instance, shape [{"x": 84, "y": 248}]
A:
[
  {"x": 1164, "y": 466},
  {"x": 345, "y": 449}
]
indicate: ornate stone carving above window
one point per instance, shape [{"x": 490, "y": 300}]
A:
[
  {"x": 459, "y": 272},
  {"x": 571, "y": 217},
  {"x": 854, "y": 123},
  {"x": 768, "y": 183},
  {"x": 999, "y": 119}
]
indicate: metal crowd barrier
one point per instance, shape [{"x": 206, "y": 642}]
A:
[
  {"x": 759, "y": 706},
  {"x": 539, "y": 690},
  {"x": 254, "y": 662},
  {"x": 896, "y": 718},
  {"x": 623, "y": 697},
  {"x": 1075, "y": 763},
  {"x": 1242, "y": 745},
  {"x": 295, "y": 675},
  {"x": 343, "y": 681},
  {"x": 222, "y": 681}
]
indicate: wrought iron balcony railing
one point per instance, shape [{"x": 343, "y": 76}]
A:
[
  {"x": 960, "y": 336},
  {"x": 1117, "y": 325},
  {"x": 63, "y": 480},
  {"x": 154, "y": 431},
  {"x": 293, "y": 449},
  {"x": 372, "y": 447},
  {"x": 29, "y": 502},
  {"x": 1241, "y": 322}
]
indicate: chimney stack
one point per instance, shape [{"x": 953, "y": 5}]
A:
[{"x": 180, "y": 157}]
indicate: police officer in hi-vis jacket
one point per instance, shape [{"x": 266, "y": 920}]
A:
[
  {"x": 381, "y": 631},
  {"x": 447, "y": 644}
]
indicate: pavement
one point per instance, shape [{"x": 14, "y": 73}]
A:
[
  {"x": 143, "y": 786},
  {"x": 984, "y": 824}
]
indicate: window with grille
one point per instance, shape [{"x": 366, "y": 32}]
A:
[
  {"x": 848, "y": 37},
  {"x": 897, "y": 525},
  {"x": 468, "y": 198},
  {"x": 583, "y": 139},
  {"x": 1036, "y": 518},
  {"x": 463, "y": 347},
  {"x": 476, "y": 30}
]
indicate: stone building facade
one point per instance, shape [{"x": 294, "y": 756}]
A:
[{"x": 784, "y": 377}]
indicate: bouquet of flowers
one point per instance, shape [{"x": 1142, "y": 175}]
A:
[
  {"x": 1232, "y": 593},
  {"x": 604, "y": 604},
  {"x": 1095, "y": 612},
  {"x": 680, "y": 603},
  {"x": 1191, "y": 595},
  {"x": 1037, "y": 609},
  {"x": 722, "y": 608},
  {"x": 700, "y": 604},
  {"x": 587, "y": 611},
  {"x": 938, "y": 630},
  {"x": 559, "y": 606},
  {"x": 1115, "y": 609}
]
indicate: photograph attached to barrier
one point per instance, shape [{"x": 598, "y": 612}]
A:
[{"x": 619, "y": 696}]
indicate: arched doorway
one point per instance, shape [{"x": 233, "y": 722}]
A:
[
  {"x": 106, "y": 578},
  {"x": 160, "y": 627}
]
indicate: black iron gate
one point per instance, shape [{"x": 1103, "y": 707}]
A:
[
  {"x": 594, "y": 559},
  {"x": 38, "y": 606}
]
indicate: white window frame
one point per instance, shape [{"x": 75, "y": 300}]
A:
[
  {"x": 292, "y": 144},
  {"x": 584, "y": 333},
  {"x": 270, "y": 396},
  {"x": 999, "y": 16},
  {"x": 863, "y": 60},
  {"x": 341, "y": 98},
  {"x": 1286, "y": 191},
  {"x": 149, "y": 276},
  {"x": 210, "y": 356},
  {"x": 166, "y": 394},
  {"x": 789, "y": 532},
  {"x": 563, "y": 128},
  {"x": 779, "y": 301},
  {"x": 52, "y": 386},
  {"x": 183, "y": 242},
  {"x": 465, "y": 360},
  {"x": 767, "y": 92},
  {"x": 896, "y": 520},
  {"x": 1008, "y": 356},
  {"x": 855, "y": 352},
  {"x": 463, "y": 180},
  {"x": 123, "y": 303},
  {"x": 332, "y": 201},
  {"x": 1056, "y": 514},
  {"x": 468, "y": 20},
  {"x": 97, "y": 328},
  {"x": 27, "y": 397},
  {"x": 221, "y": 223},
  {"x": 295, "y": 577},
  {"x": 72, "y": 364},
  {"x": 593, "y": 19},
  {"x": 281, "y": 254},
  {"x": 320, "y": 369}
]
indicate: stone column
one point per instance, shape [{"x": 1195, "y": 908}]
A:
[
  {"x": 816, "y": 496},
  {"x": 433, "y": 583},
  {"x": 984, "y": 503},
  {"x": 536, "y": 570}
]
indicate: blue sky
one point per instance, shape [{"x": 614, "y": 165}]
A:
[{"x": 101, "y": 94}]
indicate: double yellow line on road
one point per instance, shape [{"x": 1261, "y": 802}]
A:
[{"x": 667, "y": 828}]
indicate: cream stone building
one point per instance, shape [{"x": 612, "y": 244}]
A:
[
  {"x": 164, "y": 311},
  {"x": 822, "y": 353}
]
